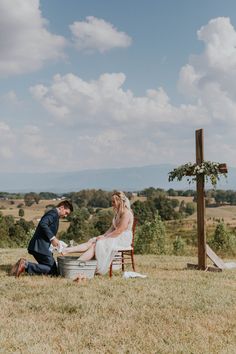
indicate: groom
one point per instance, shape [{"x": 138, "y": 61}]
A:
[{"x": 43, "y": 238}]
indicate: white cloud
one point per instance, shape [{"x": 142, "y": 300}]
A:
[
  {"x": 97, "y": 34},
  {"x": 6, "y": 152},
  {"x": 103, "y": 101},
  {"x": 210, "y": 78},
  {"x": 110, "y": 126},
  {"x": 219, "y": 37},
  {"x": 10, "y": 98},
  {"x": 6, "y": 141},
  {"x": 33, "y": 143},
  {"x": 99, "y": 123},
  {"x": 24, "y": 39},
  {"x": 4, "y": 128}
]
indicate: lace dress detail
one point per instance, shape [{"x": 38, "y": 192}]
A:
[{"x": 106, "y": 249}]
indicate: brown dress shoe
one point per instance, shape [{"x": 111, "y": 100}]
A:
[
  {"x": 21, "y": 267},
  {"x": 14, "y": 268}
]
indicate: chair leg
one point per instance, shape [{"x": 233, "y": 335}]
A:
[
  {"x": 132, "y": 260},
  {"x": 110, "y": 272},
  {"x": 122, "y": 261}
]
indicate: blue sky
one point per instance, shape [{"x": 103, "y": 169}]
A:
[{"x": 101, "y": 84}]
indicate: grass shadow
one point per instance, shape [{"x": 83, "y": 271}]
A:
[{"x": 6, "y": 268}]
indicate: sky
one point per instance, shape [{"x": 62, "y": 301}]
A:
[{"x": 109, "y": 84}]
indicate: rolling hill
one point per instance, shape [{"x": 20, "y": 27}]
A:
[{"x": 127, "y": 179}]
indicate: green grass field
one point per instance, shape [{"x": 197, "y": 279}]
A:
[{"x": 173, "y": 310}]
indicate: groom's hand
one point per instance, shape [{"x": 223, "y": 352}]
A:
[{"x": 55, "y": 242}]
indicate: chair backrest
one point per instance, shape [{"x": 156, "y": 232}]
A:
[{"x": 133, "y": 230}]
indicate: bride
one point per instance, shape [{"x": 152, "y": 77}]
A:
[{"x": 118, "y": 236}]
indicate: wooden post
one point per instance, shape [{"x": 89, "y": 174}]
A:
[{"x": 200, "y": 203}]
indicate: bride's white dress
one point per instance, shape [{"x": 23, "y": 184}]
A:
[{"x": 106, "y": 249}]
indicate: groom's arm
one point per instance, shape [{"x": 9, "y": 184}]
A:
[{"x": 47, "y": 220}]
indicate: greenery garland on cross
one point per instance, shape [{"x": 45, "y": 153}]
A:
[{"x": 211, "y": 171}]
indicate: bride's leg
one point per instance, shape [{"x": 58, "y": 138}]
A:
[
  {"x": 75, "y": 249},
  {"x": 89, "y": 254}
]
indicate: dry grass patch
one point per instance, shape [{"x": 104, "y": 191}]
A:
[
  {"x": 174, "y": 310},
  {"x": 32, "y": 213},
  {"x": 226, "y": 212}
]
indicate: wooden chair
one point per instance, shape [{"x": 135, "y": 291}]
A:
[{"x": 125, "y": 256}]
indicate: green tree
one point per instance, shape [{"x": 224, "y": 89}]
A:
[
  {"x": 100, "y": 199},
  {"x": 182, "y": 207},
  {"x": 47, "y": 195},
  {"x": 31, "y": 198},
  {"x": 151, "y": 237},
  {"x": 171, "y": 192},
  {"x": 223, "y": 240},
  {"x": 220, "y": 197},
  {"x": 4, "y": 233},
  {"x": 143, "y": 211},
  {"x": 165, "y": 208},
  {"x": 103, "y": 220},
  {"x": 178, "y": 246},
  {"x": 91, "y": 198},
  {"x": 152, "y": 193},
  {"x": 80, "y": 229},
  {"x": 9, "y": 221},
  {"x": 25, "y": 225},
  {"x": 190, "y": 208},
  {"x": 174, "y": 203},
  {"x": 21, "y": 212},
  {"x": 14, "y": 234},
  {"x": 17, "y": 235}
]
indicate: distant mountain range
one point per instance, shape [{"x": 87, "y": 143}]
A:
[{"x": 127, "y": 179}]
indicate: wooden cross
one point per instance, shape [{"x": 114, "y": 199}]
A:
[{"x": 201, "y": 232}]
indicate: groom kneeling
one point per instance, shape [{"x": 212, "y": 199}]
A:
[{"x": 43, "y": 238}]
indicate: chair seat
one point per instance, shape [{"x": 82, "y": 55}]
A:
[{"x": 129, "y": 248}]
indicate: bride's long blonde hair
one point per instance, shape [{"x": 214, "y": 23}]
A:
[{"x": 124, "y": 202}]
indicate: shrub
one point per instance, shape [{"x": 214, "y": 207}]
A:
[
  {"x": 103, "y": 220},
  {"x": 223, "y": 240},
  {"x": 21, "y": 212},
  {"x": 190, "y": 208},
  {"x": 178, "y": 246},
  {"x": 20, "y": 205},
  {"x": 50, "y": 206},
  {"x": 151, "y": 237},
  {"x": 80, "y": 229}
]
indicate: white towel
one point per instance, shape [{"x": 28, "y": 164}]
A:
[
  {"x": 230, "y": 265},
  {"x": 127, "y": 275},
  {"x": 59, "y": 248}
]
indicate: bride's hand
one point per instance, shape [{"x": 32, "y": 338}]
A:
[
  {"x": 93, "y": 239},
  {"x": 101, "y": 237}
]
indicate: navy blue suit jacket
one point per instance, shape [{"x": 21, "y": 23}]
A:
[{"x": 46, "y": 229}]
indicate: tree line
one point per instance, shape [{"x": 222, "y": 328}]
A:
[
  {"x": 100, "y": 198},
  {"x": 93, "y": 215}
]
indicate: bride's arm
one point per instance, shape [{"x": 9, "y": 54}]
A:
[
  {"x": 109, "y": 230},
  {"x": 121, "y": 227},
  {"x": 100, "y": 237}
]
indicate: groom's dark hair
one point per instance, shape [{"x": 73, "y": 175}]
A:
[{"x": 66, "y": 204}]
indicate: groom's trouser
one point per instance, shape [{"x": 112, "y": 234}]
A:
[{"x": 46, "y": 265}]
